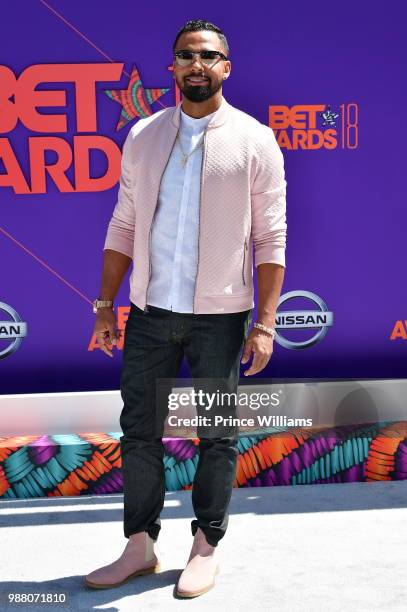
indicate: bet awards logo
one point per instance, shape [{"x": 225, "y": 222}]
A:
[
  {"x": 319, "y": 318},
  {"x": 60, "y": 144},
  {"x": 399, "y": 331},
  {"x": 315, "y": 126},
  {"x": 13, "y": 330}
]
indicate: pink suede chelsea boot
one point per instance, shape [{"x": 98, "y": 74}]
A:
[
  {"x": 138, "y": 558},
  {"x": 199, "y": 575}
]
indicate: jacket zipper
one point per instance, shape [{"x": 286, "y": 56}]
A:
[
  {"x": 244, "y": 259},
  {"x": 149, "y": 259},
  {"x": 200, "y": 207},
  {"x": 145, "y": 309}
]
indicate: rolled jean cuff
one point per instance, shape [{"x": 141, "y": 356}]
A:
[
  {"x": 153, "y": 530},
  {"x": 194, "y": 528}
]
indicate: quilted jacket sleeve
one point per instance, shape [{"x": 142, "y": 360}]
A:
[
  {"x": 120, "y": 232},
  {"x": 268, "y": 201}
]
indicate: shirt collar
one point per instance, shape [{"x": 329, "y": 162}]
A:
[
  {"x": 216, "y": 119},
  {"x": 194, "y": 124}
]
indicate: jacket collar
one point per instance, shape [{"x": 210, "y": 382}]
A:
[{"x": 218, "y": 119}]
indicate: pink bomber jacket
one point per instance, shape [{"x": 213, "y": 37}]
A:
[{"x": 242, "y": 204}]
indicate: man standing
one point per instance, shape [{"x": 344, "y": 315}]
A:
[{"x": 201, "y": 184}]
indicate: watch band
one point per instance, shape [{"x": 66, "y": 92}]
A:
[{"x": 101, "y": 304}]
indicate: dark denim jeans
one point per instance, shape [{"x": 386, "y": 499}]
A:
[{"x": 154, "y": 345}]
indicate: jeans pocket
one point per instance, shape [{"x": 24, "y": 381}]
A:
[
  {"x": 135, "y": 310},
  {"x": 248, "y": 322}
]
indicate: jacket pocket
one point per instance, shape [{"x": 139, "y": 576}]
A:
[{"x": 244, "y": 261}]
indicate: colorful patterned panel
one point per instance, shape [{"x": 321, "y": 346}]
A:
[{"x": 90, "y": 463}]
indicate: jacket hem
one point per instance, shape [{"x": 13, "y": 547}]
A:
[{"x": 212, "y": 304}]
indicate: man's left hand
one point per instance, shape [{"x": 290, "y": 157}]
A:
[{"x": 261, "y": 344}]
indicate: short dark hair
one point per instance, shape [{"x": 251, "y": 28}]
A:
[{"x": 198, "y": 25}]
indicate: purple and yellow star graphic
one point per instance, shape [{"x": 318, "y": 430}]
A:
[{"x": 135, "y": 100}]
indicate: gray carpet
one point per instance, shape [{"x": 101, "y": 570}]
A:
[{"x": 305, "y": 548}]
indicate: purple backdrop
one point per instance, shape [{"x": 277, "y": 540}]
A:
[{"x": 346, "y": 212}]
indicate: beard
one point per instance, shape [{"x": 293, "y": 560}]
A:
[{"x": 200, "y": 93}]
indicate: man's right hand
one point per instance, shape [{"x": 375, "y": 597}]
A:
[{"x": 106, "y": 329}]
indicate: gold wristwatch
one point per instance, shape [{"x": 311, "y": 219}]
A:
[{"x": 101, "y": 304}]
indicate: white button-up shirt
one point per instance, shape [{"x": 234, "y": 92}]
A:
[{"x": 175, "y": 230}]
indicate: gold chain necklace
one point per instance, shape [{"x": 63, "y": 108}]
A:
[{"x": 185, "y": 155}]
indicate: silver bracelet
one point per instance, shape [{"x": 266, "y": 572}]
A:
[{"x": 268, "y": 330}]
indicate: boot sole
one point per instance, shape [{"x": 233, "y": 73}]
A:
[
  {"x": 190, "y": 594},
  {"x": 155, "y": 569}
]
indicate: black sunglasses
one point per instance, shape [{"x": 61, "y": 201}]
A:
[{"x": 184, "y": 58}]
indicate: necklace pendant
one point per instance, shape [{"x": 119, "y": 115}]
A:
[{"x": 184, "y": 160}]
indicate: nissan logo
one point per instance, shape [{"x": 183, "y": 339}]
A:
[
  {"x": 319, "y": 318},
  {"x": 14, "y": 330}
]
